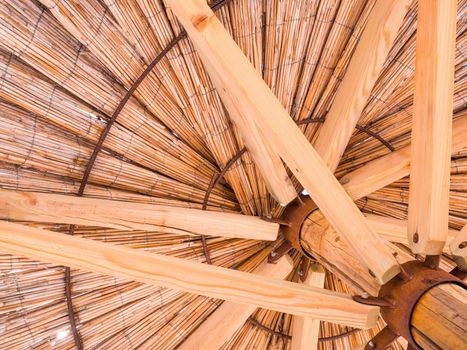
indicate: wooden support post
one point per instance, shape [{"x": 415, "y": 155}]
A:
[
  {"x": 458, "y": 248},
  {"x": 364, "y": 68},
  {"x": 225, "y": 61},
  {"x": 222, "y": 324},
  {"x": 305, "y": 330},
  {"x": 439, "y": 320},
  {"x": 57, "y": 208},
  {"x": 432, "y": 124},
  {"x": 189, "y": 276}
]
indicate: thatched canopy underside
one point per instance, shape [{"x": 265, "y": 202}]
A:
[{"x": 64, "y": 67}]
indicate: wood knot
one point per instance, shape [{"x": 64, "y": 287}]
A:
[{"x": 200, "y": 22}]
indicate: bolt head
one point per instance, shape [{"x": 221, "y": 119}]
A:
[
  {"x": 415, "y": 238},
  {"x": 273, "y": 254},
  {"x": 371, "y": 344},
  {"x": 365, "y": 295}
]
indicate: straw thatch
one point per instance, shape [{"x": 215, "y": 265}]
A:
[{"x": 65, "y": 65}]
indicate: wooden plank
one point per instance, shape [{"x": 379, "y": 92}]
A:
[
  {"x": 364, "y": 69},
  {"x": 431, "y": 126},
  {"x": 394, "y": 166},
  {"x": 458, "y": 247},
  {"x": 188, "y": 276},
  {"x": 56, "y": 208},
  {"x": 237, "y": 77},
  {"x": 222, "y": 324},
  {"x": 395, "y": 230},
  {"x": 305, "y": 330}
]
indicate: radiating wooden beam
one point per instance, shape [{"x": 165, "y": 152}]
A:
[
  {"x": 222, "y": 324},
  {"x": 56, "y": 208},
  {"x": 394, "y": 166},
  {"x": 431, "y": 126},
  {"x": 364, "y": 68},
  {"x": 458, "y": 247},
  {"x": 395, "y": 230},
  {"x": 305, "y": 330},
  {"x": 236, "y": 76},
  {"x": 184, "y": 275}
]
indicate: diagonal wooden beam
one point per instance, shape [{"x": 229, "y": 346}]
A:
[
  {"x": 184, "y": 275},
  {"x": 222, "y": 324},
  {"x": 431, "y": 126},
  {"x": 458, "y": 247},
  {"x": 305, "y": 330},
  {"x": 364, "y": 68},
  {"x": 394, "y": 166},
  {"x": 56, "y": 208},
  {"x": 236, "y": 76}
]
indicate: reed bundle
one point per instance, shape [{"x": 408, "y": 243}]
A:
[{"x": 66, "y": 65}]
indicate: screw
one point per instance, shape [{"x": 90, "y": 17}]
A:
[
  {"x": 300, "y": 273},
  {"x": 365, "y": 295},
  {"x": 345, "y": 181},
  {"x": 415, "y": 238},
  {"x": 463, "y": 245},
  {"x": 273, "y": 254},
  {"x": 371, "y": 344}
]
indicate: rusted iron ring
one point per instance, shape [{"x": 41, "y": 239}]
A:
[
  {"x": 400, "y": 296},
  {"x": 295, "y": 215}
]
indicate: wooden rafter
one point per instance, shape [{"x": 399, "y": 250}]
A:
[
  {"x": 394, "y": 166},
  {"x": 431, "y": 127},
  {"x": 395, "y": 230},
  {"x": 184, "y": 275},
  {"x": 364, "y": 68},
  {"x": 236, "y": 76},
  {"x": 57, "y": 208},
  {"x": 222, "y": 324},
  {"x": 305, "y": 330}
]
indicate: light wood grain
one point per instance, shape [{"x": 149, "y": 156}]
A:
[
  {"x": 229, "y": 317},
  {"x": 364, "y": 68},
  {"x": 458, "y": 247},
  {"x": 431, "y": 126},
  {"x": 56, "y": 208},
  {"x": 394, "y": 166},
  {"x": 305, "y": 330},
  {"x": 184, "y": 275},
  {"x": 395, "y": 230},
  {"x": 439, "y": 319},
  {"x": 328, "y": 247},
  {"x": 238, "y": 78}
]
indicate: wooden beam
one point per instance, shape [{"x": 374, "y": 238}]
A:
[
  {"x": 431, "y": 126},
  {"x": 305, "y": 330},
  {"x": 395, "y": 230},
  {"x": 394, "y": 166},
  {"x": 458, "y": 247},
  {"x": 364, "y": 68},
  {"x": 188, "y": 276},
  {"x": 237, "y": 77},
  {"x": 56, "y": 208},
  {"x": 222, "y": 324}
]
